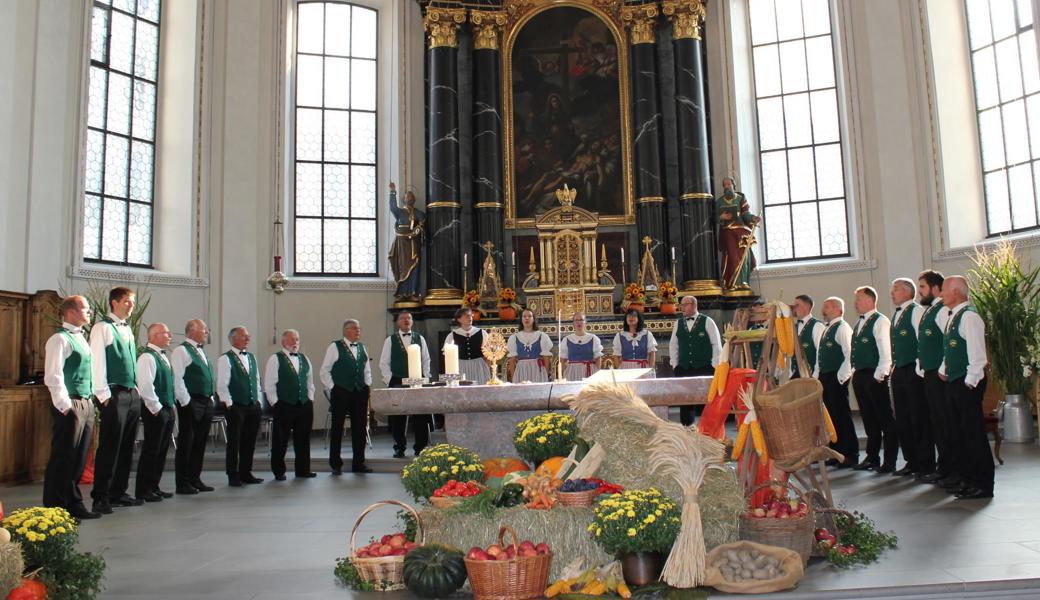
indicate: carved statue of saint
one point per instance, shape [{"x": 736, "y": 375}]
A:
[
  {"x": 409, "y": 224},
  {"x": 736, "y": 236}
]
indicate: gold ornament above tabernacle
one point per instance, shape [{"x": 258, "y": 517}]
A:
[
  {"x": 686, "y": 17},
  {"x": 566, "y": 195},
  {"x": 640, "y": 20},
  {"x": 487, "y": 25},
  {"x": 442, "y": 26}
]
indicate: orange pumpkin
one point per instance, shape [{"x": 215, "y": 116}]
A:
[
  {"x": 31, "y": 589},
  {"x": 499, "y": 467},
  {"x": 551, "y": 465}
]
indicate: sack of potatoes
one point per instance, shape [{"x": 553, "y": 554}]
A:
[{"x": 752, "y": 568}]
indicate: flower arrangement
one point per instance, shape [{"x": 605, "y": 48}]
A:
[
  {"x": 506, "y": 297},
  {"x": 635, "y": 292},
  {"x": 636, "y": 521},
  {"x": 471, "y": 299},
  {"x": 544, "y": 436},
  {"x": 668, "y": 292},
  {"x": 48, "y": 538},
  {"x": 436, "y": 465},
  {"x": 1031, "y": 360}
]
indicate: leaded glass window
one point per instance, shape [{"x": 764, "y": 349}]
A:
[
  {"x": 120, "y": 146},
  {"x": 1007, "y": 103},
  {"x": 800, "y": 145},
  {"x": 335, "y": 140}
]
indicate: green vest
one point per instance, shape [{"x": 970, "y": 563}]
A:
[
  {"x": 755, "y": 347},
  {"x": 695, "y": 348},
  {"x": 830, "y": 355},
  {"x": 120, "y": 359},
  {"x": 955, "y": 348},
  {"x": 163, "y": 378},
  {"x": 198, "y": 374},
  {"x": 399, "y": 356},
  {"x": 904, "y": 340},
  {"x": 348, "y": 372},
  {"x": 808, "y": 345},
  {"x": 77, "y": 371},
  {"x": 865, "y": 353},
  {"x": 292, "y": 385},
  {"x": 930, "y": 338},
  {"x": 242, "y": 386}
]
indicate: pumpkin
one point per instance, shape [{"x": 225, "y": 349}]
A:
[
  {"x": 551, "y": 465},
  {"x": 499, "y": 467},
  {"x": 434, "y": 571},
  {"x": 5, "y": 536},
  {"x": 31, "y": 589}
]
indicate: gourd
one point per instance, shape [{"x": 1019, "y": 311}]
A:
[
  {"x": 499, "y": 467},
  {"x": 551, "y": 466},
  {"x": 434, "y": 571}
]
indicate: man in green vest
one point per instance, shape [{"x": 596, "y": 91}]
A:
[
  {"x": 346, "y": 372},
  {"x": 913, "y": 424},
  {"x": 238, "y": 387},
  {"x": 929, "y": 358},
  {"x": 194, "y": 383},
  {"x": 809, "y": 331},
  {"x": 113, "y": 346},
  {"x": 871, "y": 363},
  {"x": 963, "y": 368},
  {"x": 393, "y": 362},
  {"x": 289, "y": 384},
  {"x": 155, "y": 384},
  {"x": 67, "y": 374},
  {"x": 834, "y": 370},
  {"x": 694, "y": 348}
]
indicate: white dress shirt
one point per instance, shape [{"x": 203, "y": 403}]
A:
[
  {"x": 224, "y": 376},
  {"x": 57, "y": 350},
  {"x": 883, "y": 338},
  {"x": 406, "y": 339},
  {"x": 597, "y": 346},
  {"x": 271, "y": 375},
  {"x": 842, "y": 337},
  {"x": 332, "y": 355},
  {"x": 973, "y": 330},
  {"x": 179, "y": 360},
  {"x": 100, "y": 339},
  {"x": 713, "y": 337},
  {"x": 529, "y": 338},
  {"x": 146, "y": 370},
  {"x": 450, "y": 340}
]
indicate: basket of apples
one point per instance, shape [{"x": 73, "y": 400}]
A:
[
  {"x": 783, "y": 521},
  {"x": 382, "y": 562},
  {"x": 516, "y": 571},
  {"x": 453, "y": 492}
]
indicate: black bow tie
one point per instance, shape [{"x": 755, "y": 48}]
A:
[
  {"x": 294, "y": 354},
  {"x": 949, "y": 313},
  {"x": 861, "y": 317},
  {"x": 353, "y": 344},
  {"x": 199, "y": 346},
  {"x": 691, "y": 318},
  {"x": 163, "y": 352},
  {"x": 243, "y": 352}
]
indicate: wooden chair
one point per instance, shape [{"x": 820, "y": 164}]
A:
[{"x": 992, "y": 403}]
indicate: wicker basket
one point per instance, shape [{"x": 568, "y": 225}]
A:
[
  {"x": 445, "y": 501},
  {"x": 795, "y": 533},
  {"x": 585, "y": 498},
  {"x": 387, "y": 572},
  {"x": 792, "y": 419},
  {"x": 514, "y": 579}
]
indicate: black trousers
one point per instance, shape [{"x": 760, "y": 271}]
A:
[
  {"x": 158, "y": 430},
  {"x": 976, "y": 468},
  {"x": 943, "y": 419},
  {"x": 836, "y": 399},
  {"x": 875, "y": 408},
  {"x": 686, "y": 413},
  {"x": 913, "y": 419},
  {"x": 192, "y": 434},
  {"x": 398, "y": 423},
  {"x": 243, "y": 423},
  {"x": 344, "y": 403},
  {"x": 292, "y": 421},
  {"x": 71, "y": 435},
  {"x": 116, "y": 438}
]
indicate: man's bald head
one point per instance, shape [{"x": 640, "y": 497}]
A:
[{"x": 954, "y": 290}]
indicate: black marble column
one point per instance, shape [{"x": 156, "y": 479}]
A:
[{"x": 443, "y": 206}]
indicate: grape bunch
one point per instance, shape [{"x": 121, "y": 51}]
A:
[{"x": 578, "y": 485}]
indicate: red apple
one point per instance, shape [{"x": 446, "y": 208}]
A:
[
  {"x": 362, "y": 553},
  {"x": 526, "y": 544},
  {"x": 820, "y": 533},
  {"x": 495, "y": 550},
  {"x": 542, "y": 549},
  {"x": 477, "y": 553},
  {"x": 385, "y": 539},
  {"x": 410, "y": 545},
  {"x": 528, "y": 552},
  {"x": 511, "y": 552},
  {"x": 385, "y": 550},
  {"x": 504, "y": 556},
  {"x": 397, "y": 541}
]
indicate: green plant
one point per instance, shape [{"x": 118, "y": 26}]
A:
[
  {"x": 347, "y": 575},
  {"x": 544, "y": 436},
  {"x": 407, "y": 525},
  {"x": 861, "y": 533},
  {"x": 434, "y": 571},
  {"x": 436, "y": 465},
  {"x": 636, "y": 521},
  {"x": 1006, "y": 294},
  {"x": 78, "y": 577},
  {"x": 47, "y": 535}
]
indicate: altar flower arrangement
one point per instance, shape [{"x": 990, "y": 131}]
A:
[
  {"x": 544, "y": 436},
  {"x": 506, "y": 297},
  {"x": 471, "y": 300},
  {"x": 668, "y": 292},
  {"x": 635, "y": 293},
  {"x": 48, "y": 538},
  {"x": 436, "y": 465},
  {"x": 636, "y": 521}
]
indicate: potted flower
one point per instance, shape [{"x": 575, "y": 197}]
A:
[
  {"x": 471, "y": 300},
  {"x": 639, "y": 527},
  {"x": 436, "y": 465},
  {"x": 635, "y": 296},
  {"x": 668, "y": 293},
  {"x": 53, "y": 566},
  {"x": 506, "y": 304},
  {"x": 544, "y": 436}
]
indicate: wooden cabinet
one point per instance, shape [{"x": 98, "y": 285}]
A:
[
  {"x": 25, "y": 432},
  {"x": 13, "y": 308}
]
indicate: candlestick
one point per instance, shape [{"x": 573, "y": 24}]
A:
[
  {"x": 414, "y": 361},
  {"x": 278, "y": 263},
  {"x": 512, "y": 258},
  {"x": 451, "y": 359},
  {"x": 622, "y": 254},
  {"x": 465, "y": 260},
  {"x": 673, "y": 253}
]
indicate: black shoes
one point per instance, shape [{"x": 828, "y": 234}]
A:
[
  {"x": 202, "y": 487},
  {"x": 307, "y": 475},
  {"x": 187, "y": 491},
  {"x": 399, "y": 453},
  {"x": 150, "y": 497},
  {"x": 126, "y": 500},
  {"x": 162, "y": 493},
  {"x": 279, "y": 477},
  {"x": 361, "y": 469},
  {"x": 81, "y": 513},
  {"x": 906, "y": 471},
  {"x": 336, "y": 472},
  {"x": 974, "y": 493},
  {"x": 252, "y": 479},
  {"x": 102, "y": 507},
  {"x": 867, "y": 465},
  {"x": 234, "y": 482},
  {"x": 885, "y": 469},
  {"x": 932, "y": 477}
]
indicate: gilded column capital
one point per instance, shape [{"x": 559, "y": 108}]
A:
[
  {"x": 487, "y": 25},
  {"x": 686, "y": 17},
  {"x": 442, "y": 26},
  {"x": 640, "y": 20}
]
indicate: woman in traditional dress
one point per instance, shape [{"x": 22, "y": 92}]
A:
[
  {"x": 635, "y": 345},
  {"x": 529, "y": 352},
  {"x": 580, "y": 352},
  {"x": 469, "y": 339}
]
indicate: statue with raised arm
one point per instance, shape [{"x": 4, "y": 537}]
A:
[
  {"x": 409, "y": 224},
  {"x": 736, "y": 236}
]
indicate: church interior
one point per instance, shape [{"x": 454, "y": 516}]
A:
[{"x": 447, "y": 219}]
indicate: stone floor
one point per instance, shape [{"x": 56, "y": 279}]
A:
[{"x": 280, "y": 539}]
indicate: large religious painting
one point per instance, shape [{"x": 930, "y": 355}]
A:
[{"x": 568, "y": 98}]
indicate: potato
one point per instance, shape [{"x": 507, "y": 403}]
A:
[
  {"x": 772, "y": 572},
  {"x": 745, "y": 574},
  {"x": 760, "y": 574},
  {"x": 732, "y": 556}
]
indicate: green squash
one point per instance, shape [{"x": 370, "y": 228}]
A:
[{"x": 434, "y": 571}]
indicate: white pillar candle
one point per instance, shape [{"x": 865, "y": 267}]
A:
[
  {"x": 414, "y": 361},
  {"x": 673, "y": 253},
  {"x": 622, "y": 254},
  {"x": 451, "y": 359}
]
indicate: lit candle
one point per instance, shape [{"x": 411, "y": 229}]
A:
[
  {"x": 622, "y": 254},
  {"x": 512, "y": 258},
  {"x": 451, "y": 359},
  {"x": 465, "y": 260},
  {"x": 414, "y": 361},
  {"x": 673, "y": 253}
]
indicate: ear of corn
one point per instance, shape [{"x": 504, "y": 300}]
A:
[
  {"x": 738, "y": 446},
  {"x": 832, "y": 433}
]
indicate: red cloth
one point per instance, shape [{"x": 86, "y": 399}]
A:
[
  {"x": 713, "y": 421},
  {"x": 88, "y": 471}
]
